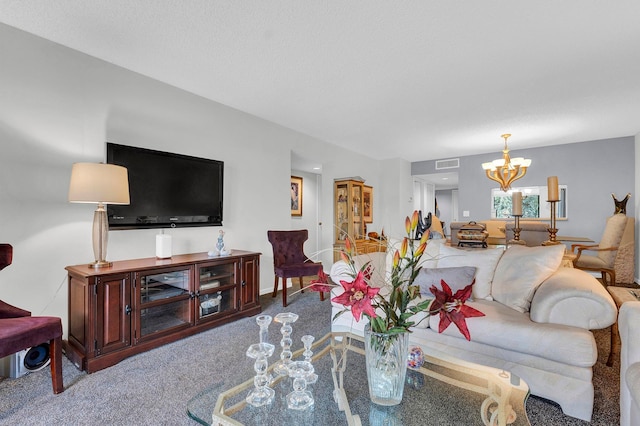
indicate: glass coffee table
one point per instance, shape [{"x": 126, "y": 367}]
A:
[{"x": 443, "y": 391}]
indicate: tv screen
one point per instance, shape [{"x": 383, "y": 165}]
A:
[{"x": 166, "y": 189}]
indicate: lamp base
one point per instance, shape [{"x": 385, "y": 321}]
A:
[
  {"x": 519, "y": 242},
  {"x": 550, "y": 243},
  {"x": 100, "y": 264}
]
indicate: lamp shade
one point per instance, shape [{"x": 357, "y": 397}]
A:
[{"x": 99, "y": 183}]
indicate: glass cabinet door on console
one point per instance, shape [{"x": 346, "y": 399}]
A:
[
  {"x": 165, "y": 301},
  {"x": 216, "y": 292}
]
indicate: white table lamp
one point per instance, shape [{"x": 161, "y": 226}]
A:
[{"x": 100, "y": 184}]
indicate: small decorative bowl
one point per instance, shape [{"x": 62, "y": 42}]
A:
[{"x": 415, "y": 358}]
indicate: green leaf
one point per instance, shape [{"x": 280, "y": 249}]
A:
[{"x": 339, "y": 313}]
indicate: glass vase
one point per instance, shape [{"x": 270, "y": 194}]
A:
[{"x": 386, "y": 358}]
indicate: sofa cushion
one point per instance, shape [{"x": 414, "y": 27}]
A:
[
  {"x": 456, "y": 278},
  {"x": 571, "y": 296},
  {"x": 506, "y": 328},
  {"x": 521, "y": 270},
  {"x": 484, "y": 260}
]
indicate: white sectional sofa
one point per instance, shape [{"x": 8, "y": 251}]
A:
[
  {"x": 536, "y": 324},
  {"x": 629, "y": 327}
]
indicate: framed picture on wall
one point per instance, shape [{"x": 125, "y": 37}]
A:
[
  {"x": 296, "y": 196},
  {"x": 367, "y": 203}
]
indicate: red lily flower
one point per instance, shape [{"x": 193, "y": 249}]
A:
[
  {"x": 358, "y": 295},
  {"x": 321, "y": 284},
  {"x": 452, "y": 308},
  {"x": 367, "y": 271}
]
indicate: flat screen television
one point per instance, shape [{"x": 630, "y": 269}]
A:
[{"x": 167, "y": 189}]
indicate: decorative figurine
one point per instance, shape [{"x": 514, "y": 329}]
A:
[
  {"x": 423, "y": 225},
  {"x": 220, "y": 244},
  {"x": 220, "y": 249},
  {"x": 620, "y": 206}
]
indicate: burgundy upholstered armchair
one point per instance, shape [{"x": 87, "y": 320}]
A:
[
  {"x": 289, "y": 260},
  {"x": 19, "y": 330}
]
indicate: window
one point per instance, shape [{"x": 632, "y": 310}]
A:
[{"x": 534, "y": 203}]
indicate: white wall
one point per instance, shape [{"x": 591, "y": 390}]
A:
[{"x": 59, "y": 106}]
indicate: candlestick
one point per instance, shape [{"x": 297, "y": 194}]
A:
[
  {"x": 552, "y": 188},
  {"x": 552, "y": 230},
  {"x": 516, "y": 204},
  {"x": 516, "y": 233}
]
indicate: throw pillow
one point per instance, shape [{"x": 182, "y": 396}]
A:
[
  {"x": 456, "y": 278},
  {"x": 484, "y": 260},
  {"x": 521, "y": 270}
]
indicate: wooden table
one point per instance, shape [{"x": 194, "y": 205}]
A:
[
  {"x": 574, "y": 239},
  {"x": 619, "y": 295}
]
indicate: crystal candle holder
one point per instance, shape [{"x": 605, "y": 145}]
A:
[
  {"x": 300, "y": 398},
  {"x": 263, "y": 322},
  {"x": 307, "y": 340},
  {"x": 261, "y": 394},
  {"x": 286, "y": 319}
]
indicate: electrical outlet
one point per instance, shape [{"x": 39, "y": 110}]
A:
[{"x": 465, "y": 213}]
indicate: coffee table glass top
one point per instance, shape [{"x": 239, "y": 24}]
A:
[{"x": 443, "y": 391}]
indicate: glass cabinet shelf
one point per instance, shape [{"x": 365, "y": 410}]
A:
[
  {"x": 165, "y": 301},
  {"x": 214, "y": 276},
  {"x": 164, "y": 285},
  {"x": 213, "y": 303},
  {"x": 216, "y": 289},
  {"x": 163, "y": 317}
]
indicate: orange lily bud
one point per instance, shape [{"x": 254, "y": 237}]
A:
[
  {"x": 420, "y": 250},
  {"x": 407, "y": 225},
  {"x": 404, "y": 247},
  {"x": 347, "y": 245},
  {"x": 414, "y": 220},
  {"x": 396, "y": 259},
  {"x": 344, "y": 257},
  {"x": 425, "y": 237}
]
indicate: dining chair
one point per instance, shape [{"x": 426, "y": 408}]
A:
[
  {"x": 604, "y": 259},
  {"x": 289, "y": 260}
]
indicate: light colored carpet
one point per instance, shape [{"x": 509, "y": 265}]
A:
[{"x": 154, "y": 387}]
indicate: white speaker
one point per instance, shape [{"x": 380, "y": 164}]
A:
[
  {"x": 26, "y": 361},
  {"x": 163, "y": 246}
]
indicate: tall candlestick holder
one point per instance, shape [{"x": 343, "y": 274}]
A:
[
  {"x": 286, "y": 319},
  {"x": 516, "y": 232},
  {"x": 552, "y": 229}
]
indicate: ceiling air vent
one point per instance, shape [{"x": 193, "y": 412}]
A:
[{"x": 451, "y": 163}]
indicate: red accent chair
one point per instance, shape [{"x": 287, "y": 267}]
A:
[
  {"x": 19, "y": 330},
  {"x": 289, "y": 260}
]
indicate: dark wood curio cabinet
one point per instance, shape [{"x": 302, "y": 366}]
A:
[{"x": 137, "y": 305}]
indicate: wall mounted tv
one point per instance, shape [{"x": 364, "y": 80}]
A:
[{"x": 166, "y": 189}]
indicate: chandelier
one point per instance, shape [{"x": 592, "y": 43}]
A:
[{"x": 505, "y": 170}]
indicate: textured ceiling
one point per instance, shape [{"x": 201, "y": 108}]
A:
[{"x": 412, "y": 79}]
